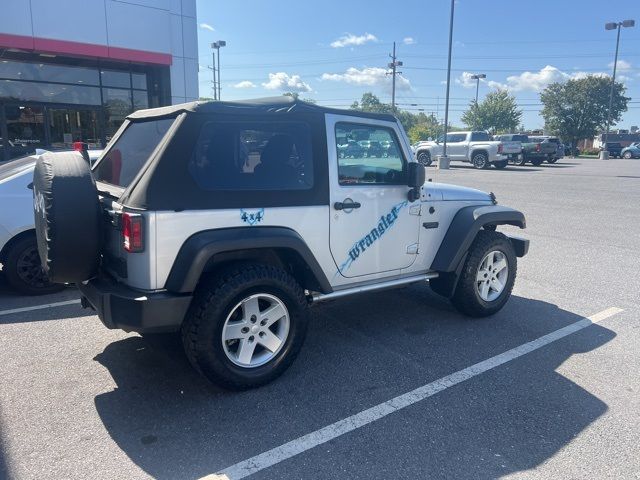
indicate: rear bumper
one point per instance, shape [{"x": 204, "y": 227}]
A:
[{"x": 131, "y": 310}]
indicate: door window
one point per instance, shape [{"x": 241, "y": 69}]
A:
[{"x": 369, "y": 155}]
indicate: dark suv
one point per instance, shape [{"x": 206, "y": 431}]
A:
[{"x": 614, "y": 149}]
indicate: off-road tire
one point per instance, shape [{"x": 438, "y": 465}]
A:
[
  {"x": 27, "y": 279},
  {"x": 466, "y": 298},
  {"x": 215, "y": 297},
  {"x": 520, "y": 160},
  {"x": 424, "y": 158},
  {"x": 501, "y": 164},
  {"x": 480, "y": 161}
]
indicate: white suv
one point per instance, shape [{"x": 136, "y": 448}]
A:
[{"x": 225, "y": 221}]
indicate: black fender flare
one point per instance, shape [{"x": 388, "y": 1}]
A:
[
  {"x": 465, "y": 226},
  {"x": 199, "y": 249}
]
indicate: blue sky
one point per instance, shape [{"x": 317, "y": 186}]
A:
[{"x": 333, "y": 51}]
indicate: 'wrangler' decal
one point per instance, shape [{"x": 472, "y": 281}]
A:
[{"x": 384, "y": 225}]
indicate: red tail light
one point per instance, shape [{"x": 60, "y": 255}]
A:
[
  {"x": 132, "y": 232},
  {"x": 537, "y": 147},
  {"x": 500, "y": 148}
]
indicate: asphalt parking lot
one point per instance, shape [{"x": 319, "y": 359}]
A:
[{"x": 388, "y": 385}]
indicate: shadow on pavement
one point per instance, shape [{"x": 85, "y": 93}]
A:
[{"x": 358, "y": 353}]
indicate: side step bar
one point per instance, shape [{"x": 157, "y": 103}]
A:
[{"x": 321, "y": 297}]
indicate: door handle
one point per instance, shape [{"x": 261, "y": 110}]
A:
[{"x": 348, "y": 204}]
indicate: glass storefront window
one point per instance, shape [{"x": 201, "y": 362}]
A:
[
  {"x": 25, "y": 125},
  {"x": 73, "y": 125},
  {"x": 48, "y": 73},
  {"x": 48, "y": 92},
  {"x": 113, "y": 78},
  {"x": 139, "y": 81},
  {"x": 140, "y": 99},
  {"x": 118, "y": 104}
]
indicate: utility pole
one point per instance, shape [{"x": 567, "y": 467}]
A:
[
  {"x": 604, "y": 154},
  {"x": 445, "y": 163},
  {"x": 393, "y": 66},
  {"x": 213, "y": 68}
]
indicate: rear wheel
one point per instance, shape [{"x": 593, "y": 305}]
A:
[
  {"x": 246, "y": 325},
  {"x": 23, "y": 269},
  {"x": 501, "y": 164},
  {"x": 537, "y": 161},
  {"x": 627, "y": 155},
  {"x": 424, "y": 158},
  {"x": 487, "y": 277},
  {"x": 480, "y": 160},
  {"x": 552, "y": 160},
  {"x": 520, "y": 160}
]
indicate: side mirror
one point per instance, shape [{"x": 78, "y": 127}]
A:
[{"x": 416, "y": 177}]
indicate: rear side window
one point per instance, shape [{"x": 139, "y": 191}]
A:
[
  {"x": 479, "y": 137},
  {"x": 253, "y": 156},
  {"x": 131, "y": 150}
]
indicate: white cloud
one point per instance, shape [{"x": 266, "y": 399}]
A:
[
  {"x": 350, "y": 40},
  {"x": 206, "y": 26},
  {"x": 244, "y": 84},
  {"x": 369, "y": 76},
  {"x": 533, "y": 81},
  {"x": 623, "y": 66},
  {"x": 285, "y": 82},
  {"x": 409, "y": 40},
  {"x": 465, "y": 80}
]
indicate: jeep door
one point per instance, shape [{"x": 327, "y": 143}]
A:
[{"x": 373, "y": 227}]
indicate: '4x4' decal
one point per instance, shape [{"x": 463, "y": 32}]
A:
[
  {"x": 252, "y": 217},
  {"x": 385, "y": 223}
]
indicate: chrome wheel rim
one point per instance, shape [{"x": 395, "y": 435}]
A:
[
  {"x": 492, "y": 276},
  {"x": 423, "y": 158},
  {"x": 255, "y": 330},
  {"x": 479, "y": 160}
]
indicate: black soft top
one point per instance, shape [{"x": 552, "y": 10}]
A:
[{"x": 276, "y": 105}]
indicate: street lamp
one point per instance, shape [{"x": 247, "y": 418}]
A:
[
  {"x": 216, "y": 46},
  {"x": 477, "y": 78},
  {"x": 443, "y": 161},
  {"x": 604, "y": 154}
]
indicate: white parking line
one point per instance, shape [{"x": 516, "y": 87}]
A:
[
  {"x": 38, "y": 307},
  {"x": 302, "y": 444}
]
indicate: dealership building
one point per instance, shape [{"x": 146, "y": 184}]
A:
[{"x": 71, "y": 70}]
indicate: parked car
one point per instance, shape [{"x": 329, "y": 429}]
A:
[
  {"x": 18, "y": 250},
  {"x": 476, "y": 148},
  {"x": 558, "y": 154},
  {"x": 614, "y": 149},
  {"x": 187, "y": 241},
  {"x": 14, "y": 150},
  {"x": 534, "y": 152},
  {"x": 632, "y": 151},
  {"x": 351, "y": 149},
  {"x": 371, "y": 148}
]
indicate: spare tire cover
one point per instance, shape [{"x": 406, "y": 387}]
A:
[{"x": 67, "y": 217}]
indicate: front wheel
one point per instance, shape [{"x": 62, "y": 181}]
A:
[
  {"x": 627, "y": 155},
  {"x": 520, "y": 160},
  {"x": 552, "y": 160},
  {"x": 246, "y": 325},
  {"x": 537, "y": 161},
  {"x": 488, "y": 275},
  {"x": 424, "y": 158},
  {"x": 480, "y": 161}
]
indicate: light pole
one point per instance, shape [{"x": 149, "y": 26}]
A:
[
  {"x": 477, "y": 78},
  {"x": 443, "y": 161},
  {"x": 604, "y": 154},
  {"x": 216, "y": 46},
  {"x": 213, "y": 68}
]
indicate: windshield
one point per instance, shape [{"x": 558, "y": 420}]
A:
[
  {"x": 520, "y": 138},
  {"x": 131, "y": 150}
]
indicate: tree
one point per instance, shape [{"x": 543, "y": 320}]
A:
[
  {"x": 498, "y": 112},
  {"x": 370, "y": 103},
  {"x": 577, "y": 109},
  {"x": 425, "y": 127},
  {"x": 296, "y": 96}
]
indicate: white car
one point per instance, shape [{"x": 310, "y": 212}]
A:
[
  {"x": 476, "y": 148},
  {"x": 18, "y": 250}
]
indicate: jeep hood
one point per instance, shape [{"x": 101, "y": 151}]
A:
[{"x": 447, "y": 192}]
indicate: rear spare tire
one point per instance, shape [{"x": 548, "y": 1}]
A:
[{"x": 67, "y": 217}]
